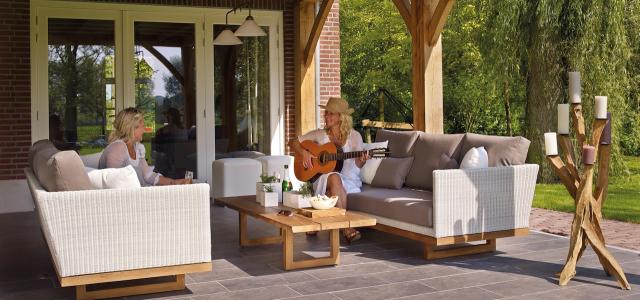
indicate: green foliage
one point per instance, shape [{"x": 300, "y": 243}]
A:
[
  {"x": 621, "y": 204},
  {"x": 306, "y": 189},
  {"x": 264, "y": 178},
  {"x": 267, "y": 188}
]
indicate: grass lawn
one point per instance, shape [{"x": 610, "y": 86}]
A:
[{"x": 623, "y": 200}]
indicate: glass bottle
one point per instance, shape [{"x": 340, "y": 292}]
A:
[{"x": 285, "y": 180}]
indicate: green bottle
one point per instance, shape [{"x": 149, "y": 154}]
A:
[{"x": 286, "y": 184}]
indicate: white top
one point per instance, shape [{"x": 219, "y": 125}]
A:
[
  {"x": 116, "y": 155},
  {"x": 350, "y": 173}
]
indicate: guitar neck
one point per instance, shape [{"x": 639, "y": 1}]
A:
[{"x": 345, "y": 155}]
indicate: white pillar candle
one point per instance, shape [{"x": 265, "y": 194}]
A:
[
  {"x": 601, "y": 107},
  {"x": 575, "y": 91},
  {"x": 563, "y": 118},
  {"x": 551, "y": 143}
]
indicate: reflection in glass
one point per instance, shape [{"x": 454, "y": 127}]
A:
[
  {"x": 81, "y": 73},
  {"x": 242, "y": 96},
  {"x": 165, "y": 89}
]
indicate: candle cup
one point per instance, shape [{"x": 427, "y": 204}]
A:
[
  {"x": 588, "y": 155},
  {"x": 575, "y": 90},
  {"x": 605, "y": 138},
  {"x": 551, "y": 143},
  {"x": 601, "y": 107},
  {"x": 563, "y": 118}
]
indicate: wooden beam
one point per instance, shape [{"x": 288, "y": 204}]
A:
[
  {"x": 427, "y": 71},
  {"x": 167, "y": 64},
  {"x": 318, "y": 24},
  {"x": 305, "y": 75},
  {"x": 403, "y": 9},
  {"x": 436, "y": 25},
  {"x": 390, "y": 125}
]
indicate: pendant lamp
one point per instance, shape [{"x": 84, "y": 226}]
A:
[
  {"x": 249, "y": 27},
  {"x": 226, "y": 37}
]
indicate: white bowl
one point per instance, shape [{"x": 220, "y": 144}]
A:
[{"x": 323, "y": 202}]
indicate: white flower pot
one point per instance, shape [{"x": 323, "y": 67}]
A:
[
  {"x": 276, "y": 186},
  {"x": 295, "y": 200},
  {"x": 268, "y": 199}
]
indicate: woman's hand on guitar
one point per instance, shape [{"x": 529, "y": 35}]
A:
[
  {"x": 363, "y": 158},
  {"x": 306, "y": 159}
]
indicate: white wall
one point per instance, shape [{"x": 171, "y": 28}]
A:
[{"x": 15, "y": 196}]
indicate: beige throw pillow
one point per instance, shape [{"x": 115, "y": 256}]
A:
[
  {"x": 59, "y": 171},
  {"x": 392, "y": 172}
]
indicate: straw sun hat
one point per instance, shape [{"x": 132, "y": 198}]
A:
[{"x": 337, "y": 105}]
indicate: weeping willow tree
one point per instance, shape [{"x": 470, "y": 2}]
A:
[{"x": 541, "y": 41}]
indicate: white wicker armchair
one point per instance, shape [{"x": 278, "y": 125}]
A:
[{"x": 97, "y": 236}]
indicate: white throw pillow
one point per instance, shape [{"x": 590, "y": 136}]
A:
[
  {"x": 475, "y": 158},
  {"x": 368, "y": 171},
  {"x": 113, "y": 178}
]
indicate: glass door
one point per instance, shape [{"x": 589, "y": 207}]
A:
[
  {"x": 81, "y": 83},
  {"x": 165, "y": 89}
]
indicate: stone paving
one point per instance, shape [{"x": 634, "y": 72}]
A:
[
  {"x": 380, "y": 266},
  {"x": 621, "y": 234}
]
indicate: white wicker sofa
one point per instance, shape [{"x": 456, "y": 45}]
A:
[
  {"x": 106, "y": 235},
  {"x": 450, "y": 207}
]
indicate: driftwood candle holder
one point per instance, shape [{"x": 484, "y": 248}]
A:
[{"x": 588, "y": 216}]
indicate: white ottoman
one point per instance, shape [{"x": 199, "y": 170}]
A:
[
  {"x": 235, "y": 177},
  {"x": 275, "y": 164}
]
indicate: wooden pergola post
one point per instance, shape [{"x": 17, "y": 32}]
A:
[
  {"x": 425, "y": 20},
  {"x": 307, "y": 32}
]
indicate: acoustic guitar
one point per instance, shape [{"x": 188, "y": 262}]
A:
[{"x": 328, "y": 158}]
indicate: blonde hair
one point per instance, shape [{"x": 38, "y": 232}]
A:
[
  {"x": 346, "y": 124},
  {"x": 125, "y": 124}
]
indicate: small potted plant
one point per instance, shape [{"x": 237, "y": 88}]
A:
[
  {"x": 273, "y": 182},
  {"x": 268, "y": 197},
  {"x": 299, "y": 198}
]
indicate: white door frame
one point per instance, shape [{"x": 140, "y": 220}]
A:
[{"x": 123, "y": 16}]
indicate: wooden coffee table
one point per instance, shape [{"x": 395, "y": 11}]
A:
[{"x": 247, "y": 206}]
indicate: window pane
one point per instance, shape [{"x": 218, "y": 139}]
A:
[
  {"x": 166, "y": 91},
  {"x": 242, "y": 96},
  {"x": 81, "y": 83}
]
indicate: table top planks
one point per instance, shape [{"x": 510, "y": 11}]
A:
[{"x": 297, "y": 222}]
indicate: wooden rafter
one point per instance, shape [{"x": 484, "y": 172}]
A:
[
  {"x": 166, "y": 63},
  {"x": 403, "y": 9},
  {"x": 318, "y": 24},
  {"x": 439, "y": 18}
]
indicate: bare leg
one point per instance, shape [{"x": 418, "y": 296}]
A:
[{"x": 335, "y": 188}]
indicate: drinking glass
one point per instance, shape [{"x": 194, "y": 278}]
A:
[{"x": 188, "y": 175}]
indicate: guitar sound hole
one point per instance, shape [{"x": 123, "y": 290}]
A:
[{"x": 322, "y": 158}]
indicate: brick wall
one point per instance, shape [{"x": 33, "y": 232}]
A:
[
  {"x": 15, "y": 93},
  {"x": 15, "y": 89},
  {"x": 330, "y": 56}
]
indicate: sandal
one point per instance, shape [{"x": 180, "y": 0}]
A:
[{"x": 351, "y": 235}]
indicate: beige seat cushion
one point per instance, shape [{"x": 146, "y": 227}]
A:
[
  {"x": 502, "y": 150},
  {"x": 400, "y": 142},
  {"x": 427, "y": 153},
  {"x": 58, "y": 170},
  {"x": 406, "y": 205}
]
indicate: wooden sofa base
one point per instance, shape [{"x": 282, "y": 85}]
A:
[
  {"x": 433, "y": 246},
  {"x": 81, "y": 281}
]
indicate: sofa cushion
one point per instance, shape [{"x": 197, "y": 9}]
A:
[
  {"x": 502, "y": 150},
  {"x": 113, "y": 178},
  {"x": 59, "y": 170},
  {"x": 406, "y": 205},
  {"x": 426, "y": 153},
  {"x": 475, "y": 158},
  {"x": 37, "y": 147},
  {"x": 368, "y": 171},
  {"x": 446, "y": 163},
  {"x": 392, "y": 172},
  {"x": 400, "y": 142}
]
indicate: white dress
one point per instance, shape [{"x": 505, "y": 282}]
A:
[
  {"x": 350, "y": 173},
  {"x": 116, "y": 155}
]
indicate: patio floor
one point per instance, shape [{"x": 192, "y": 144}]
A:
[{"x": 380, "y": 266}]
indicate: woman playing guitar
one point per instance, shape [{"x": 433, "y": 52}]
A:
[{"x": 338, "y": 130}]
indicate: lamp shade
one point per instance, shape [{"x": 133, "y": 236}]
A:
[
  {"x": 250, "y": 28},
  {"x": 226, "y": 38}
]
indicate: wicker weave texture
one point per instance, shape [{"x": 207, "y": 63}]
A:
[
  {"x": 122, "y": 229},
  {"x": 482, "y": 200}
]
